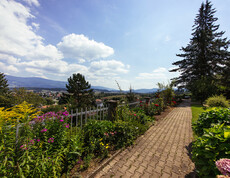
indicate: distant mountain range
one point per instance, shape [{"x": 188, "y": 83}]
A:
[{"x": 36, "y": 82}]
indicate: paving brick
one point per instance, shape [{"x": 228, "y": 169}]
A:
[
  {"x": 140, "y": 169},
  {"x": 160, "y": 152}
]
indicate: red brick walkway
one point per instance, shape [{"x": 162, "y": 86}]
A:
[{"x": 161, "y": 152}]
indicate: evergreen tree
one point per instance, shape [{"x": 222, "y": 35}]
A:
[
  {"x": 4, "y": 92},
  {"x": 80, "y": 93},
  {"x": 3, "y": 85},
  {"x": 205, "y": 57}
]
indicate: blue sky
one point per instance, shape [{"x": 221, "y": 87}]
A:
[{"x": 133, "y": 42}]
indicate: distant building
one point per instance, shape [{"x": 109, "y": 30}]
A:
[{"x": 99, "y": 103}]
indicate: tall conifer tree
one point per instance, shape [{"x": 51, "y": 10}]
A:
[
  {"x": 82, "y": 95},
  {"x": 205, "y": 57}
]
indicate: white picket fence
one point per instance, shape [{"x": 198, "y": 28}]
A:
[
  {"x": 82, "y": 115},
  {"x": 79, "y": 117}
]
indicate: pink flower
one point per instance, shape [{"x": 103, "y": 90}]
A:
[
  {"x": 50, "y": 140},
  {"x": 23, "y": 147},
  {"x": 38, "y": 140},
  {"x": 134, "y": 114},
  {"x": 224, "y": 166},
  {"x": 61, "y": 120},
  {"x": 44, "y": 130}
]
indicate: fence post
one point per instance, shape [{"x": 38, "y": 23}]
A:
[{"x": 112, "y": 110}]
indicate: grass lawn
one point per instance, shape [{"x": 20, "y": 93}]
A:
[{"x": 197, "y": 109}]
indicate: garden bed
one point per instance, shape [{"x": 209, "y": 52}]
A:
[{"x": 98, "y": 164}]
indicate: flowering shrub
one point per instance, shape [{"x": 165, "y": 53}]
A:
[
  {"x": 224, "y": 166},
  {"x": 44, "y": 146},
  {"x": 214, "y": 144}
]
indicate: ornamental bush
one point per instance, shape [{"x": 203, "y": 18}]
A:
[
  {"x": 217, "y": 101},
  {"x": 209, "y": 117},
  {"x": 213, "y": 145}
]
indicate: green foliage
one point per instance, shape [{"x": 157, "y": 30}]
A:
[
  {"x": 210, "y": 147},
  {"x": 130, "y": 96},
  {"x": 3, "y": 85},
  {"x": 217, "y": 101},
  {"x": 80, "y": 93},
  {"x": 45, "y": 147},
  {"x": 209, "y": 117},
  {"x": 201, "y": 66},
  {"x": 166, "y": 92},
  {"x": 20, "y": 95}
]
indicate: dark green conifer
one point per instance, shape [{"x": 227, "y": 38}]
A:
[{"x": 205, "y": 57}]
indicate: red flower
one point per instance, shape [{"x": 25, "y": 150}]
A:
[
  {"x": 156, "y": 105},
  {"x": 174, "y": 102}
]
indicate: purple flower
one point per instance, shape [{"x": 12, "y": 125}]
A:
[
  {"x": 38, "y": 140},
  {"x": 65, "y": 113},
  {"x": 224, "y": 166},
  {"x": 50, "y": 140},
  {"x": 44, "y": 130},
  {"x": 61, "y": 120},
  {"x": 31, "y": 142}
]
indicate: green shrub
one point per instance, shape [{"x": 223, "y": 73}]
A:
[
  {"x": 209, "y": 117},
  {"x": 101, "y": 136},
  {"x": 217, "y": 101},
  {"x": 210, "y": 147}
]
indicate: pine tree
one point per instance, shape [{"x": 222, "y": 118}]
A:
[
  {"x": 3, "y": 85},
  {"x": 82, "y": 95},
  {"x": 4, "y": 92},
  {"x": 204, "y": 58}
]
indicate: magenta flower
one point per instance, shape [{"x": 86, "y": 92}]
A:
[
  {"x": 44, "y": 130},
  {"x": 23, "y": 147},
  {"x": 224, "y": 166},
  {"x": 50, "y": 140},
  {"x": 38, "y": 140},
  {"x": 61, "y": 120},
  {"x": 31, "y": 142},
  {"x": 65, "y": 113},
  {"x": 134, "y": 114}
]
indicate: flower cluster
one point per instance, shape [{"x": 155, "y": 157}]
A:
[
  {"x": 44, "y": 130},
  {"x": 110, "y": 133},
  {"x": 52, "y": 115},
  {"x": 50, "y": 140},
  {"x": 224, "y": 166}
]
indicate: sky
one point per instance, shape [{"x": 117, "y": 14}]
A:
[{"x": 132, "y": 42}]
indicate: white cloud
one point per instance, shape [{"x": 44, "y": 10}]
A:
[
  {"x": 8, "y": 68},
  {"x": 80, "y": 47},
  {"x": 110, "y": 67},
  {"x": 32, "y": 2},
  {"x": 17, "y": 36},
  {"x": 159, "y": 73}
]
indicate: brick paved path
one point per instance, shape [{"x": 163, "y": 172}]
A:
[{"x": 161, "y": 152}]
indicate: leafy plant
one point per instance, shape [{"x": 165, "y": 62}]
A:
[
  {"x": 209, "y": 117},
  {"x": 210, "y": 147},
  {"x": 217, "y": 101}
]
